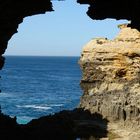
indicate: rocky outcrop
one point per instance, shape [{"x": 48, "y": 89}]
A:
[{"x": 111, "y": 77}]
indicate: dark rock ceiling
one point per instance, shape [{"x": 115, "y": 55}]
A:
[{"x": 118, "y": 9}]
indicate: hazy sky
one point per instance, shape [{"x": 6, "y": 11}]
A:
[{"x": 60, "y": 33}]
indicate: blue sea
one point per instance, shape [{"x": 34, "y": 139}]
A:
[{"x": 36, "y": 86}]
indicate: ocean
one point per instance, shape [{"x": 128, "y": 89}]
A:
[{"x": 37, "y": 86}]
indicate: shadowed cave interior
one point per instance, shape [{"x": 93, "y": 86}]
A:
[{"x": 66, "y": 124}]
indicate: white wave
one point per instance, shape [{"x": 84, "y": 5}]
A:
[
  {"x": 35, "y": 107},
  {"x": 56, "y": 105},
  {"x": 5, "y": 94}
]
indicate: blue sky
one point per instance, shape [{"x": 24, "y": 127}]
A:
[{"x": 60, "y": 33}]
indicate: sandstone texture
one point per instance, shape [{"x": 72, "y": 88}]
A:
[{"x": 111, "y": 77}]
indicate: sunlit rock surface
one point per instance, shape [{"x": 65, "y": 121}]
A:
[{"x": 111, "y": 77}]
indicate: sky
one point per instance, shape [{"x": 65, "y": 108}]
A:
[{"x": 63, "y": 32}]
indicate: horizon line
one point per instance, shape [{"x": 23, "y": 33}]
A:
[{"x": 45, "y": 55}]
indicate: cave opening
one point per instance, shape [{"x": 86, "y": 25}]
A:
[{"x": 33, "y": 77}]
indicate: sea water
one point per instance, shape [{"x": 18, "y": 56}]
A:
[{"x": 37, "y": 86}]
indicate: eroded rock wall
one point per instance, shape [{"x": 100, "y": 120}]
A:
[{"x": 111, "y": 76}]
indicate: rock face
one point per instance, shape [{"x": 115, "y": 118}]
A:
[{"x": 111, "y": 77}]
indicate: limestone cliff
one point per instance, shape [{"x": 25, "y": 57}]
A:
[{"x": 111, "y": 77}]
